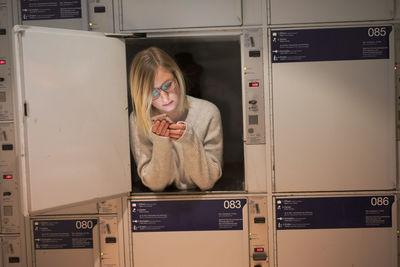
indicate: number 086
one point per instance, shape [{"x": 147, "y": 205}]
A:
[{"x": 379, "y": 201}]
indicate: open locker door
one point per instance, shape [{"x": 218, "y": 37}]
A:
[{"x": 72, "y": 117}]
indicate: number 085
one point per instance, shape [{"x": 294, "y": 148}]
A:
[{"x": 377, "y": 32}]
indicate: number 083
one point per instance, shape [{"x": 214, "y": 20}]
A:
[{"x": 232, "y": 204}]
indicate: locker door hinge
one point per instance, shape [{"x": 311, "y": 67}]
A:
[{"x": 137, "y": 35}]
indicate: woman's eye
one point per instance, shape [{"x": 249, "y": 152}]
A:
[
  {"x": 166, "y": 86},
  {"x": 155, "y": 92}
]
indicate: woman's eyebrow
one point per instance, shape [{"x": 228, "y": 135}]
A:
[
  {"x": 164, "y": 82},
  {"x": 169, "y": 80}
]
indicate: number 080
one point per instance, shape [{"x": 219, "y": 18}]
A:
[{"x": 84, "y": 224}]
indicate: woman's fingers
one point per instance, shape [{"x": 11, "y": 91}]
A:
[
  {"x": 160, "y": 128},
  {"x": 164, "y": 128},
  {"x": 176, "y": 131},
  {"x": 155, "y": 126},
  {"x": 158, "y": 117},
  {"x": 173, "y": 131},
  {"x": 161, "y": 117},
  {"x": 180, "y": 126}
]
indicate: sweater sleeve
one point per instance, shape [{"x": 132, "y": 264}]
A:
[
  {"x": 154, "y": 157},
  {"x": 203, "y": 158}
]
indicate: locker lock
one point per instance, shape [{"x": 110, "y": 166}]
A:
[
  {"x": 111, "y": 239},
  {"x": 7, "y": 147},
  {"x": 259, "y": 256},
  {"x": 259, "y": 220},
  {"x": 13, "y": 259},
  {"x": 255, "y": 53},
  {"x": 99, "y": 9}
]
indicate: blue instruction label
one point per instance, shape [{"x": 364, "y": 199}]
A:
[
  {"x": 63, "y": 234},
  {"x": 330, "y": 44},
  {"x": 50, "y": 9},
  {"x": 334, "y": 212},
  {"x": 187, "y": 215}
]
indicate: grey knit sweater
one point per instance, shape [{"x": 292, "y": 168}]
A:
[{"x": 193, "y": 160}]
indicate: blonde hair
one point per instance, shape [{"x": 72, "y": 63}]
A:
[{"x": 142, "y": 72}]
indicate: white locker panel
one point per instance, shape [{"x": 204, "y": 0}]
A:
[
  {"x": 197, "y": 249},
  {"x": 75, "y": 241},
  {"x": 331, "y": 247},
  {"x": 109, "y": 242},
  {"x": 10, "y": 212},
  {"x": 11, "y": 249},
  {"x": 179, "y": 244},
  {"x": 106, "y": 206},
  {"x": 6, "y": 110},
  {"x": 109, "y": 206},
  {"x": 314, "y": 11},
  {"x": 258, "y": 234},
  {"x": 253, "y": 12},
  {"x": 55, "y": 14},
  {"x": 66, "y": 242},
  {"x": 7, "y": 155},
  {"x": 398, "y": 227},
  {"x": 397, "y": 11},
  {"x": 72, "y": 116},
  {"x": 156, "y": 14},
  {"x": 334, "y": 123},
  {"x": 101, "y": 16}
]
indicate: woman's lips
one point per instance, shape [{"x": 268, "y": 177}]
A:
[{"x": 169, "y": 103}]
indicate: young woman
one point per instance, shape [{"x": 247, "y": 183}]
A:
[{"x": 175, "y": 139}]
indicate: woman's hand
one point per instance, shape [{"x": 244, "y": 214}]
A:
[
  {"x": 160, "y": 125},
  {"x": 161, "y": 117},
  {"x": 176, "y": 130},
  {"x": 160, "y": 128}
]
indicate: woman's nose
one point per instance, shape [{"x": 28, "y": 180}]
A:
[{"x": 164, "y": 96}]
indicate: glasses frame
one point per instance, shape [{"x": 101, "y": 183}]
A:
[{"x": 166, "y": 90}]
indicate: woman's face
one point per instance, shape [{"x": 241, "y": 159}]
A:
[{"x": 165, "y": 92}]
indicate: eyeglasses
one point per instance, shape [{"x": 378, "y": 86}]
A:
[{"x": 167, "y": 87}]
